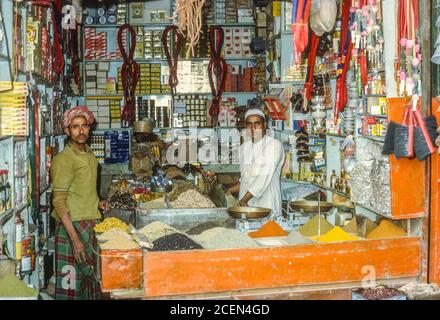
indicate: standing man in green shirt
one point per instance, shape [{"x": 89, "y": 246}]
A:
[{"x": 76, "y": 210}]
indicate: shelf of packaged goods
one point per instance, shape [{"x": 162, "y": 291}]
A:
[
  {"x": 372, "y": 115},
  {"x": 377, "y": 139}
]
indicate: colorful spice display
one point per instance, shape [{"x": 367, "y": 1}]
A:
[
  {"x": 269, "y": 229},
  {"x": 386, "y": 229}
]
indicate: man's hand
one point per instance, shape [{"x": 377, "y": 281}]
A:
[
  {"x": 104, "y": 206},
  {"x": 79, "y": 251},
  {"x": 245, "y": 200}
]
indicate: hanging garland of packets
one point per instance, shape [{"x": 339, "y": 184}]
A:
[
  {"x": 409, "y": 58},
  {"x": 368, "y": 49},
  {"x": 13, "y": 116}
]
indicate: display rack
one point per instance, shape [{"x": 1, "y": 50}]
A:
[{"x": 241, "y": 97}]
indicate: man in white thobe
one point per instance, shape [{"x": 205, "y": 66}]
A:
[{"x": 261, "y": 160}]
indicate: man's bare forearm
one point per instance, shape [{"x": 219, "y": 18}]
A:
[
  {"x": 246, "y": 198},
  {"x": 66, "y": 220},
  {"x": 235, "y": 188}
]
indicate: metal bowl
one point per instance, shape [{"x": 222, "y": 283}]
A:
[
  {"x": 311, "y": 206},
  {"x": 249, "y": 212}
]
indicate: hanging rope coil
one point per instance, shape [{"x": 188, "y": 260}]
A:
[
  {"x": 177, "y": 41},
  {"x": 218, "y": 69},
  {"x": 130, "y": 74}
]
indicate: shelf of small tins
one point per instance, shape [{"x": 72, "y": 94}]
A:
[
  {"x": 147, "y": 109},
  {"x": 190, "y": 110}
]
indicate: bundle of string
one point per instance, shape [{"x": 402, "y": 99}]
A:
[
  {"x": 409, "y": 56},
  {"x": 172, "y": 61},
  {"x": 345, "y": 48},
  {"x": 300, "y": 26},
  {"x": 130, "y": 74},
  {"x": 56, "y": 7},
  {"x": 189, "y": 14},
  {"x": 217, "y": 68}
]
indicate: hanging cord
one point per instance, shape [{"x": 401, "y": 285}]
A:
[
  {"x": 345, "y": 48},
  {"x": 34, "y": 190},
  {"x": 218, "y": 68},
  {"x": 130, "y": 74},
  {"x": 8, "y": 50},
  {"x": 55, "y": 5},
  {"x": 311, "y": 66},
  {"x": 75, "y": 58},
  {"x": 300, "y": 27},
  {"x": 177, "y": 41}
]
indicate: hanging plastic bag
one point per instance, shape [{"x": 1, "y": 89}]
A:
[{"x": 323, "y": 16}]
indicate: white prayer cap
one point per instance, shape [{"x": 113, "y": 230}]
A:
[{"x": 255, "y": 112}]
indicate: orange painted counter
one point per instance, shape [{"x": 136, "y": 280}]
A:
[{"x": 209, "y": 271}]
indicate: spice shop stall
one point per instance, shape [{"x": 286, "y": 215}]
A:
[
  {"x": 354, "y": 210},
  {"x": 344, "y": 85}
]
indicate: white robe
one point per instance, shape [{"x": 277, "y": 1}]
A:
[{"x": 260, "y": 167}]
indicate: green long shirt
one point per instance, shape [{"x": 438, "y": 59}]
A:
[{"x": 75, "y": 172}]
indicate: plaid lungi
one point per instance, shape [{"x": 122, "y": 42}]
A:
[{"x": 75, "y": 281}]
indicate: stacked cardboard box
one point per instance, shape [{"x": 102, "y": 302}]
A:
[
  {"x": 97, "y": 80},
  {"x": 237, "y": 42},
  {"x": 190, "y": 110},
  {"x": 150, "y": 81},
  {"x": 241, "y": 79},
  {"x": 117, "y": 146},
  {"x": 115, "y": 114},
  {"x": 193, "y": 77}
]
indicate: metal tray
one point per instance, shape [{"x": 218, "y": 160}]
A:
[
  {"x": 181, "y": 219},
  {"x": 249, "y": 212},
  {"x": 311, "y": 206}
]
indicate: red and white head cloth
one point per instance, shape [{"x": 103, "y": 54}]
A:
[{"x": 79, "y": 111}]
